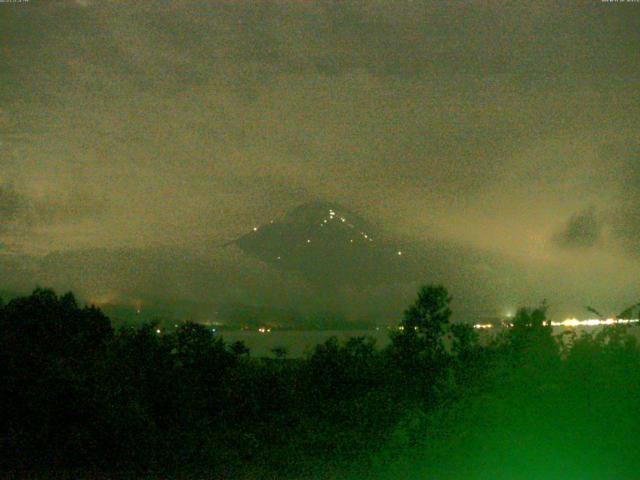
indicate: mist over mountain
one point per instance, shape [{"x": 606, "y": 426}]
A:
[{"x": 319, "y": 264}]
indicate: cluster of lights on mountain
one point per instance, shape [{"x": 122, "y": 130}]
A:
[{"x": 334, "y": 216}]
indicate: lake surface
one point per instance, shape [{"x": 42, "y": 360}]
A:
[{"x": 298, "y": 342}]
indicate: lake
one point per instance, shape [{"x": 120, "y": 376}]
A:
[{"x": 298, "y": 342}]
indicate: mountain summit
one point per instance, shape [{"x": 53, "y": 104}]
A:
[{"x": 325, "y": 242}]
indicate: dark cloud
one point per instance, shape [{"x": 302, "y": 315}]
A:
[
  {"x": 615, "y": 178},
  {"x": 173, "y": 45},
  {"x": 582, "y": 230}
]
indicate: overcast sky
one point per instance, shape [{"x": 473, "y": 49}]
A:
[{"x": 507, "y": 127}]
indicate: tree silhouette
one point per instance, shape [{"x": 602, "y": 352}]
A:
[
  {"x": 76, "y": 394},
  {"x": 465, "y": 341},
  {"x": 429, "y": 313},
  {"x": 279, "y": 352},
  {"x": 418, "y": 348},
  {"x": 530, "y": 338},
  {"x": 239, "y": 348},
  {"x": 423, "y": 324}
]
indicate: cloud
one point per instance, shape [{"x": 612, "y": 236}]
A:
[
  {"x": 11, "y": 204},
  {"x": 26, "y": 216},
  {"x": 626, "y": 227},
  {"x": 69, "y": 207},
  {"x": 621, "y": 156},
  {"x": 476, "y": 123},
  {"x": 582, "y": 230}
]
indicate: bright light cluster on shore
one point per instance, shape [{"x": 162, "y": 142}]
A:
[
  {"x": 593, "y": 322},
  {"x": 482, "y": 326},
  {"x": 574, "y": 322}
]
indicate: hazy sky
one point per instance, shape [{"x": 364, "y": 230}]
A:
[{"x": 507, "y": 127}]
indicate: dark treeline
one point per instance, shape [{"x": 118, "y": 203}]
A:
[{"x": 83, "y": 399}]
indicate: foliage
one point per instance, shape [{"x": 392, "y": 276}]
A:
[{"x": 75, "y": 394}]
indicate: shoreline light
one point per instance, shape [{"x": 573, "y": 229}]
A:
[
  {"x": 594, "y": 322},
  {"x": 574, "y": 322},
  {"x": 483, "y": 326}
]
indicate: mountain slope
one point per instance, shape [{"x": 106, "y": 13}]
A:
[{"x": 326, "y": 243}]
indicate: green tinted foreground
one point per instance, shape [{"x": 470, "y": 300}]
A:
[
  {"x": 80, "y": 400},
  {"x": 574, "y": 418}
]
